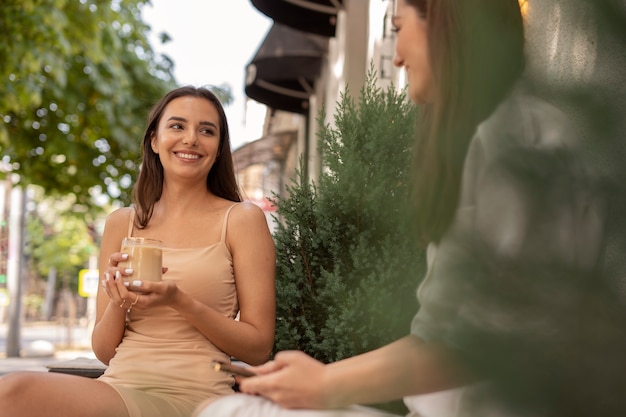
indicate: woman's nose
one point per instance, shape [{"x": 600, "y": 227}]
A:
[
  {"x": 190, "y": 139},
  {"x": 397, "y": 61}
]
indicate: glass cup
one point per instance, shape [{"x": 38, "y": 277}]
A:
[{"x": 145, "y": 257}]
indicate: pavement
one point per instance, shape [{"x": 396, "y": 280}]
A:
[{"x": 45, "y": 343}]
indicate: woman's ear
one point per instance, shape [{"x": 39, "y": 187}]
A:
[{"x": 153, "y": 144}]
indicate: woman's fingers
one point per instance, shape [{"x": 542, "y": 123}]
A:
[
  {"x": 105, "y": 284},
  {"x": 116, "y": 258},
  {"x": 114, "y": 285}
]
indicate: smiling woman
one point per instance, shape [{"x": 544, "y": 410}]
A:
[
  {"x": 187, "y": 125},
  {"x": 216, "y": 299},
  {"x": 193, "y": 140}
]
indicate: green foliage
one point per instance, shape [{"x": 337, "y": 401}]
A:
[
  {"x": 348, "y": 265},
  {"x": 76, "y": 82},
  {"x": 57, "y": 238},
  {"x": 223, "y": 92}
]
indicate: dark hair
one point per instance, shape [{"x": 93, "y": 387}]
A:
[
  {"x": 149, "y": 186},
  {"x": 476, "y": 55}
]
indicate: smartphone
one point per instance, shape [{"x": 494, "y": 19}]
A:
[{"x": 232, "y": 369}]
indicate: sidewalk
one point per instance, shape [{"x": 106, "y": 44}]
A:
[
  {"x": 8, "y": 365},
  {"x": 43, "y": 343}
]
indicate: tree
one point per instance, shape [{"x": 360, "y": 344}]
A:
[
  {"x": 57, "y": 238},
  {"x": 77, "y": 80},
  {"x": 347, "y": 261}
]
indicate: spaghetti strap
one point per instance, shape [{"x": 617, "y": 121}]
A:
[
  {"x": 223, "y": 237},
  {"x": 131, "y": 222}
]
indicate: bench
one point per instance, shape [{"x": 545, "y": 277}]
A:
[{"x": 90, "y": 368}]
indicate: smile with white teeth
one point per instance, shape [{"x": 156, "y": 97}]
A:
[{"x": 187, "y": 155}]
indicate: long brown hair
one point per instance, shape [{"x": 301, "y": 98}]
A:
[
  {"x": 149, "y": 186},
  {"x": 476, "y": 55}
]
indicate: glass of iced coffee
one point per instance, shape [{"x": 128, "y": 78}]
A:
[{"x": 144, "y": 257}]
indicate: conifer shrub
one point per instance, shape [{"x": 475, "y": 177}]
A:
[{"x": 347, "y": 262}]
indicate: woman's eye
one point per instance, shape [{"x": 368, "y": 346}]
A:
[
  {"x": 176, "y": 126},
  {"x": 208, "y": 132}
]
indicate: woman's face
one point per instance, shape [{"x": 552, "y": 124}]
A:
[
  {"x": 188, "y": 137},
  {"x": 412, "y": 51}
]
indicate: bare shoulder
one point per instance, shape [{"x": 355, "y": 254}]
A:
[
  {"x": 119, "y": 218},
  {"x": 246, "y": 213},
  {"x": 247, "y": 218},
  {"x": 248, "y": 230},
  {"x": 115, "y": 229}
]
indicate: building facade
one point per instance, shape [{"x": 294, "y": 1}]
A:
[{"x": 315, "y": 50}]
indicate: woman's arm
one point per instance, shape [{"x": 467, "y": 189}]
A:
[
  {"x": 408, "y": 366},
  {"x": 405, "y": 367},
  {"x": 110, "y": 317}
]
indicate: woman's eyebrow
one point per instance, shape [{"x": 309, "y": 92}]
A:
[
  {"x": 207, "y": 123},
  {"x": 182, "y": 119}
]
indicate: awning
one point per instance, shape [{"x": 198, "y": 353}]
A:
[
  {"x": 313, "y": 16},
  {"x": 282, "y": 74}
]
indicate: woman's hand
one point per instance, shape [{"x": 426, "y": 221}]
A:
[
  {"x": 292, "y": 380},
  {"x": 113, "y": 282},
  {"x": 154, "y": 293},
  {"x": 125, "y": 292}
]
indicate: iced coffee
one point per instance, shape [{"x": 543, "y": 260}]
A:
[{"x": 144, "y": 257}]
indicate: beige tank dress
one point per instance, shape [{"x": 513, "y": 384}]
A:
[{"x": 162, "y": 367}]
